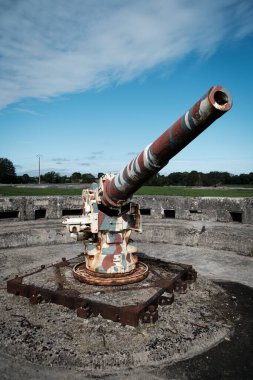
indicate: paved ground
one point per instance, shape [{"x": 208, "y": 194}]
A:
[
  {"x": 214, "y": 264},
  {"x": 231, "y": 359}
]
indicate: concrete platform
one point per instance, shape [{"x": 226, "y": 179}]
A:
[
  {"x": 214, "y": 264},
  {"x": 217, "y": 265},
  {"x": 47, "y": 335},
  {"x": 231, "y": 359}
]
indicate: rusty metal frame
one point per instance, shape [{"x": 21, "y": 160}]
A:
[{"x": 127, "y": 315}]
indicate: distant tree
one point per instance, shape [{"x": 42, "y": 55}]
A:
[
  {"x": 226, "y": 178},
  {"x": 76, "y": 177},
  {"x": 194, "y": 178},
  {"x": 177, "y": 178},
  {"x": 251, "y": 178},
  {"x": 51, "y": 177},
  {"x": 64, "y": 179},
  {"x": 216, "y": 178},
  {"x": 100, "y": 174},
  {"x": 25, "y": 178},
  {"x": 156, "y": 180},
  {"x": 244, "y": 179},
  {"x": 207, "y": 179},
  {"x": 88, "y": 178},
  {"x": 7, "y": 171}
]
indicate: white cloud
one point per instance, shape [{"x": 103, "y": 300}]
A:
[
  {"x": 25, "y": 110},
  {"x": 50, "y": 48},
  {"x": 60, "y": 159}
]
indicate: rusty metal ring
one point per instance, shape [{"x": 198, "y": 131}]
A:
[{"x": 81, "y": 273}]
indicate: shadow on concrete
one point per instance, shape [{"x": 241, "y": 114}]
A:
[{"x": 230, "y": 359}]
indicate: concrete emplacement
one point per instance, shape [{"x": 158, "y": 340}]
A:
[{"x": 49, "y": 341}]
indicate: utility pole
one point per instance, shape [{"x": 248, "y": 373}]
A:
[{"x": 39, "y": 156}]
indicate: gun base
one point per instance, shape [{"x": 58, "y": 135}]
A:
[{"x": 83, "y": 274}]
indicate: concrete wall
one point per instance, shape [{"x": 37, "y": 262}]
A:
[
  {"x": 202, "y": 222},
  {"x": 234, "y": 237},
  {"x": 26, "y": 234},
  {"x": 31, "y": 208},
  {"x": 190, "y": 208},
  {"x": 186, "y": 208}
]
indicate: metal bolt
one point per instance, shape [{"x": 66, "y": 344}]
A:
[{"x": 151, "y": 308}]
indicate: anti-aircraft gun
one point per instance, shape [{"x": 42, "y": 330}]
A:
[{"x": 109, "y": 215}]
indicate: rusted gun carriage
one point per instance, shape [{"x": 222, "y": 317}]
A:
[{"x": 111, "y": 262}]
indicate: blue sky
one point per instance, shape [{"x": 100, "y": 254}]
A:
[{"x": 88, "y": 84}]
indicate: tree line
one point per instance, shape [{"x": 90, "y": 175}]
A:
[{"x": 193, "y": 178}]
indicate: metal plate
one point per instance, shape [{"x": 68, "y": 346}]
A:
[{"x": 127, "y": 304}]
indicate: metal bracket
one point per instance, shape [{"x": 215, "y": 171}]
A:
[{"x": 127, "y": 304}]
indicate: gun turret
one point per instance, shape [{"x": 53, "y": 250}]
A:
[{"x": 109, "y": 216}]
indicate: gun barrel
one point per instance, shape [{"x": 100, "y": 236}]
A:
[{"x": 155, "y": 156}]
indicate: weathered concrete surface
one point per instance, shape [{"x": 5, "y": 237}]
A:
[
  {"x": 184, "y": 208},
  {"x": 27, "y": 206},
  {"x": 50, "y": 335},
  {"x": 34, "y": 333},
  {"x": 230, "y": 360},
  {"x": 54, "y": 336},
  {"x": 23, "y": 330},
  {"x": 216, "y": 209},
  {"x": 214, "y": 264},
  {"x": 217, "y": 265},
  {"x": 28, "y": 233},
  {"x": 22, "y": 260},
  {"x": 234, "y": 237}
]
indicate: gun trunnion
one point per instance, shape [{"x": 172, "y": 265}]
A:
[{"x": 109, "y": 216}]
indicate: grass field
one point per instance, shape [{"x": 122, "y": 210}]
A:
[
  {"x": 145, "y": 190},
  {"x": 13, "y": 191},
  {"x": 195, "y": 192}
]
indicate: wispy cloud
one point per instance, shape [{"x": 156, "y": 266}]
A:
[
  {"x": 133, "y": 153},
  {"x": 91, "y": 157},
  {"x": 98, "y": 152},
  {"x": 85, "y": 164},
  {"x": 60, "y": 159},
  {"x": 51, "y": 48},
  {"x": 24, "y": 110}
]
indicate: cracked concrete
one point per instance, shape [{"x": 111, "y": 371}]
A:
[{"x": 19, "y": 319}]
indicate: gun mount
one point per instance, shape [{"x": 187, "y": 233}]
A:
[{"x": 109, "y": 215}]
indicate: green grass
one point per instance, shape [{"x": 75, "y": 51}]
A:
[
  {"x": 194, "y": 192},
  {"x": 145, "y": 190},
  {"x": 12, "y": 191},
  {"x": 240, "y": 186}
]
